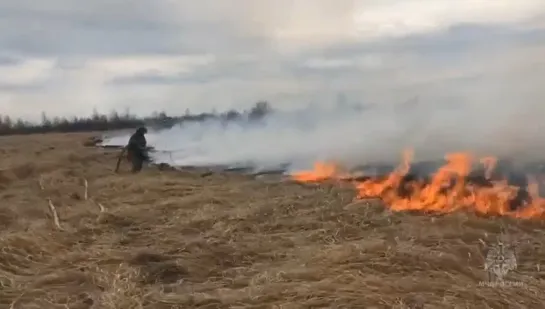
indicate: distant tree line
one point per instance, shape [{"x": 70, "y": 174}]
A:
[{"x": 117, "y": 121}]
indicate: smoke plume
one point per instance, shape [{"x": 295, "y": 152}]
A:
[{"x": 356, "y": 134}]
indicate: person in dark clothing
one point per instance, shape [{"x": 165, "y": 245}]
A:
[{"x": 136, "y": 149}]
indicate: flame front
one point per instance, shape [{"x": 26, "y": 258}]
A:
[{"x": 448, "y": 189}]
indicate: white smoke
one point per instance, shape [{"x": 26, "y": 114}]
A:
[{"x": 353, "y": 136}]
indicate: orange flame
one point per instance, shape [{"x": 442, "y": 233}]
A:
[
  {"x": 447, "y": 191},
  {"x": 321, "y": 171}
]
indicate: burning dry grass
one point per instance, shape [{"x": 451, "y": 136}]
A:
[{"x": 167, "y": 239}]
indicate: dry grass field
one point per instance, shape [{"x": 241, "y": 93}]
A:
[{"x": 175, "y": 239}]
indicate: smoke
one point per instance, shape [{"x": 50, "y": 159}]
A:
[
  {"x": 355, "y": 135},
  {"x": 439, "y": 98}
]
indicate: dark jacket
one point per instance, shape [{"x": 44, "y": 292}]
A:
[{"x": 137, "y": 146}]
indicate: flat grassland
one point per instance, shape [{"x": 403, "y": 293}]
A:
[{"x": 184, "y": 239}]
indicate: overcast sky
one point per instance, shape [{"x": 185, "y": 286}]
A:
[{"x": 66, "y": 57}]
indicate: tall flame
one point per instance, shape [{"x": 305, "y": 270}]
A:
[{"x": 448, "y": 189}]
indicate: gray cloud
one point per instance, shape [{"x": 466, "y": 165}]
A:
[
  {"x": 61, "y": 27},
  {"x": 67, "y": 57},
  {"x": 9, "y": 60},
  {"x": 19, "y": 89}
]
